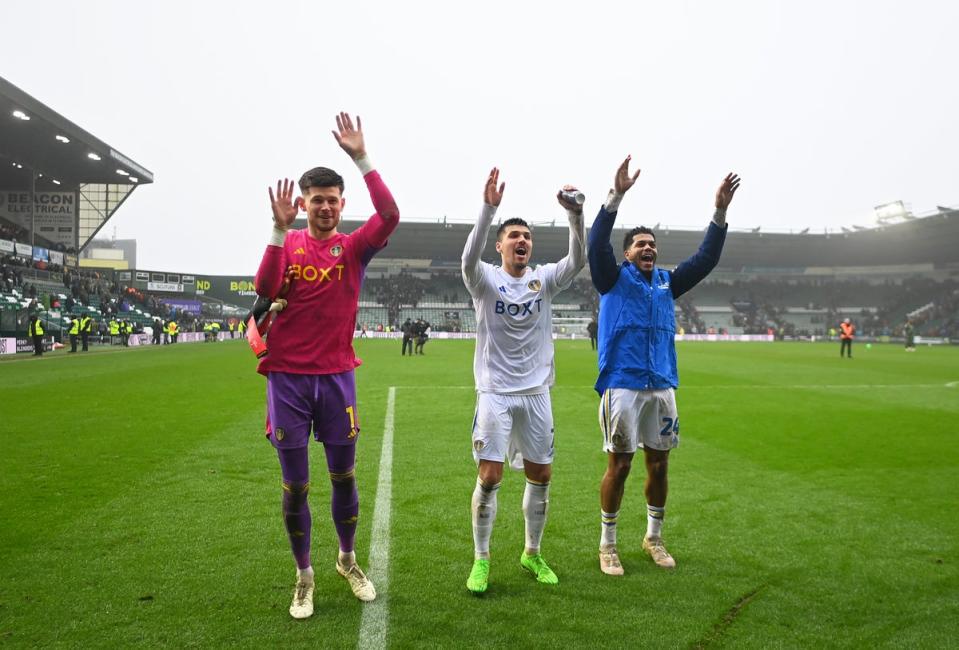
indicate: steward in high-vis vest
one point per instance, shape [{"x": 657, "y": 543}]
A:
[
  {"x": 74, "y": 333},
  {"x": 35, "y": 332},
  {"x": 846, "y": 333},
  {"x": 86, "y": 328},
  {"x": 114, "y": 331},
  {"x": 232, "y": 326},
  {"x": 174, "y": 331}
]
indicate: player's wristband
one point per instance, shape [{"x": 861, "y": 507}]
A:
[
  {"x": 612, "y": 201},
  {"x": 277, "y": 237},
  {"x": 364, "y": 164}
]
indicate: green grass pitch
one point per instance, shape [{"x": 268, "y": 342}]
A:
[{"x": 814, "y": 502}]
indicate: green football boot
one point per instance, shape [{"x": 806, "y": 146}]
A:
[
  {"x": 479, "y": 576},
  {"x": 536, "y": 565}
]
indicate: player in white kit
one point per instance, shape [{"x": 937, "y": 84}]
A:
[{"x": 513, "y": 370}]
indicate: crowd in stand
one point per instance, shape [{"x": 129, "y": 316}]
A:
[
  {"x": 758, "y": 305},
  {"x": 12, "y": 232},
  {"x": 401, "y": 289},
  {"x": 15, "y": 233},
  {"x": 688, "y": 319},
  {"x": 11, "y": 272}
]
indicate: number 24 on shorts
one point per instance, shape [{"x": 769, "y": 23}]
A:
[{"x": 672, "y": 427}]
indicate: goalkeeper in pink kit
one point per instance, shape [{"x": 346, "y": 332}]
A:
[{"x": 309, "y": 367}]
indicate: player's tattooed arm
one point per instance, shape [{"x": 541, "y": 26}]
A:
[
  {"x": 492, "y": 196},
  {"x": 724, "y": 196},
  {"x": 569, "y": 266},
  {"x": 622, "y": 181}
]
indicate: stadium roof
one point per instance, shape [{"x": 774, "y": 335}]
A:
[
  {"x": 38, "y": 145},
  {"x": 929, "y": 240},
  {"x": 34, "y": 144}
]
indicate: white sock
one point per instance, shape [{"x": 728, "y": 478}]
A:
[
  {"x": 654, "y": 520},
  {"x": 346, "y": 559},
  {"x": 608, "y": 536},
  {"x": 306, "y": 575},
  {"x": 484, "y": 514},
  {"x": 535, "y": 506}
]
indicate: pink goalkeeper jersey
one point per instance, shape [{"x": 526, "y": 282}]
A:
[{"x": 314, "y": 334}]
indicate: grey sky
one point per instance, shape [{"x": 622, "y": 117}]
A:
[{"x": 826, "y": 109}]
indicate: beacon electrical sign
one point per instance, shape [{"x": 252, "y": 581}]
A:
[{"x": 56, "y": 214}]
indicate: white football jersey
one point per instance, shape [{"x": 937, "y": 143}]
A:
[
  {"x": 514, "y": 316},
  {"x": 514, "y": 338}
]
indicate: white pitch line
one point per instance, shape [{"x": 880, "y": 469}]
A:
[
  {"x": 374, "y": 622},
  {"x": 952, "y": 384}
]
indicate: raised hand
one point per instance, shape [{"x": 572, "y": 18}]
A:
[
  {"x": 623, "y": 180},
  {"x": 724, "y": 195},
  {"x": 350, "y": 139},
  {"x": 285, "y": 208},
  {"x": 491, "y": 195},
  {"x": 562, "y": 197}
]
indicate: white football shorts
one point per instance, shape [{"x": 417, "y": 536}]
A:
[
  {"x": 514, "y": 427},
  {"x": 634, "y": 419}
]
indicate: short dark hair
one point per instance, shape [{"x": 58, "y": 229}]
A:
[
  {"x": 321, "y": 177},
  {"x": 638, "y": 230},
  {"x": 515, "y": 221}
]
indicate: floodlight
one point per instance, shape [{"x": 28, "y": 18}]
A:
[{"x": 891, "y": 211}]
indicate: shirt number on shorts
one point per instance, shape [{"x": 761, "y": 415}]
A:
[
  {"x": 352, "y": 414},
  {"x": 671, "y": 427}
]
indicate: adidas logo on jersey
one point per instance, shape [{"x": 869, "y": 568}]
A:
[{"x": 299, "y": 251}]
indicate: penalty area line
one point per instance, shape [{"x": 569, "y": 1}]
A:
[{"x": 374, "y": 622}]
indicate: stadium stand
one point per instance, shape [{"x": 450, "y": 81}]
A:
[
  {"x": 794, "y": 285},
  {"x": 60, "y": 185}
]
